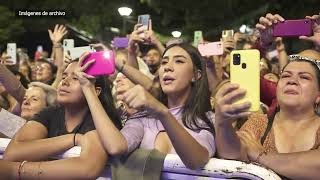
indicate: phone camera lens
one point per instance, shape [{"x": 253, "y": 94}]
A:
[{"x": 236, "y": 59}]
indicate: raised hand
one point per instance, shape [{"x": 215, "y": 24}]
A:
[
  {"x": 85, "y": 80},
  {"x": 316, "y": 30},
  {"x": 58, "y": 33},
  {"x": 135, "y": 37},
  {"x": 138, "y": 98},
  {"x": 265, "y": 27},
  {"x": 225, "y": 110}
]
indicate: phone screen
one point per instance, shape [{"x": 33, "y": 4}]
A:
[{"x": 144, "y": 19}]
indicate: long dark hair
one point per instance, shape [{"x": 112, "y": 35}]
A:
[
  {"x": 198, "y": 103},
  {"x": 106, "y": 99}
]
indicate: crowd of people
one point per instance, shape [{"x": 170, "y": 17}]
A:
[{"x": 168, "y": 98}]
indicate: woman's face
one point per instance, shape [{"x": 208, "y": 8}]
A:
[
  {"x": 298, "y": 85},
  {"x": 69, "y": 89},
  {"x": 176, "y": 71},
  {"x": 33, "y": 102},
  {"x": 44, "y": 73}
]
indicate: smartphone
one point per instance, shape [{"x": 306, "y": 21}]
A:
[
  {"x": 12, "y": 52},
  {"x": 245, "y": 71},
  {"x": 227, "y": 34},
  {"x": 197, "y": 38},
  {"x": 104, "y": 63},
  {"x": 144, "y": 20},
  {"x": 39, "y": 48},
  {"x": 120, "y": 42},
  {"x": 290, "y": 28},
  {"x": 211, "y": 48},
  {"x": 78, "y": 51},
  {"x": 68, "y": 43}
]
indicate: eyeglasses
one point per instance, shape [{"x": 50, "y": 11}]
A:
[{"x": 296, "y": 57}]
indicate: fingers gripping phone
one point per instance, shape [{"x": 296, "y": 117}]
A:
[
  {"x": 12, "y": 52},
  {"x": 144, "y": 20},
  {"x": 245, "y": 71},
  {"x": 290, "y": 28},
  {"x": 210, "y": 49},
  {"x": 104, "y": 63}
]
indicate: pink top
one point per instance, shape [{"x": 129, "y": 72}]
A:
[{"x": 142, "y": 132}]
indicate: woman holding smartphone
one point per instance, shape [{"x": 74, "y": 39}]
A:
[
  {"x": 57, "y": 129},
  {"x": 181, "y": 123},
  {"x": 287, "y": 142}
]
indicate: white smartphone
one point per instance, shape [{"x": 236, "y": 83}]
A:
[
  {"x": 68, "y": 43},
  {"x": 78, "y": 51},
  {"x": 12, "y": 52}
]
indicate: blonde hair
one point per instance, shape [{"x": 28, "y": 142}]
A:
[{"x": 51, "y": 93}]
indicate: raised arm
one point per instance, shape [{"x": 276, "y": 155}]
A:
[
  {"x": 56, "y": 36},
  {"x": 191, "y": 152},
  {"x": 228, "y": 143},
  {"x": 153, "y": 39},
  {"x": 283, "y": 56},
  {"x": 11, "y": 84},
  {"x": 134, "y": 39},
  {"x": 315, "y": 39},
  {"x": 31, "y": 143},
  {"x": 111, "y": 138}
]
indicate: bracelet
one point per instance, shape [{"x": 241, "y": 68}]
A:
[
  {"x": 20, "y": 167},
  {"x": 57, "y": 45},
  {"x": 121, "y": 68},
  {"x": 74, "y": 139},
  {"x": 264, "y": 152}
]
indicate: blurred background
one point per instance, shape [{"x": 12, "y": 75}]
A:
[{"x": 99, "y": 20}]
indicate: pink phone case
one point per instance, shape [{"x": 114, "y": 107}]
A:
[
  {"x": 104, "y": 63},
  {"x": 299, "y": 27},
  {"x": 210, "y": 49}
]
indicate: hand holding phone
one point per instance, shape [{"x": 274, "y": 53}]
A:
[
  {"x": 144, "y": 21},
  {"x": 104, "y": 63},
  {"x": 245, "y": 71}
]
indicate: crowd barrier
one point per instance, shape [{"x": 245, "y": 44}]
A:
[{"x": 173, "y": 168}]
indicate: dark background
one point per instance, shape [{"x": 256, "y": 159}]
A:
[{"x": 94, "y": 18}]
